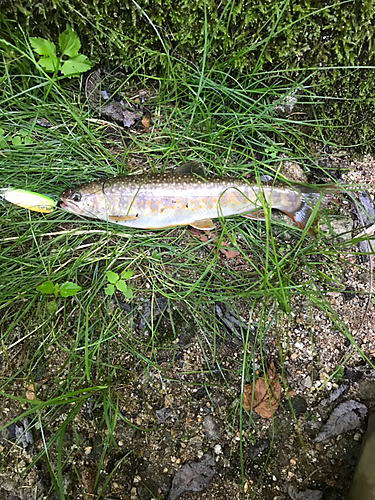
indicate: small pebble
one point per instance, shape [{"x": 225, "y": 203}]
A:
[{"x": 357, "y": 436}]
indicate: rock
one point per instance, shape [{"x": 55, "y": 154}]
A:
[
  {"x": 306, "y": 382},
  {"x": 255, "y": 453},
  {"x": 299, "y": 405},
  {"x": 19, "y": 433},
  {"x": 366, "y": 390},
  {"x": 341, "y": 228},
  {"x": 163, "y": 414},
  {"x": 158, "y": 304},
  {"x": 212, "y": 427}
]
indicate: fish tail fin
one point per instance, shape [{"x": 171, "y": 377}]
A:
[{"x": 311, "y": 197}]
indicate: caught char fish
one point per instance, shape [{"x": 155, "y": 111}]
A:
[{"x": 157, "y": 201}]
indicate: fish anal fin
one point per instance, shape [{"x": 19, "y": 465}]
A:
[
  {"x": 301, "y": 218},
  {"x": 310, "y": 197},
  {"x": 189, "y": 168},
  {"x": 255, "y": 214},
  {"x": 119, "y": 218},
  {"x": 203, "y": 224}
]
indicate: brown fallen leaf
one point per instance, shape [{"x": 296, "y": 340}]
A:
[
  {"x": 229, "y": 254},
  {"x": 146, "y": 122},
  {"x": 267, "y": 392},
  {"x": 30, "y": 392}
]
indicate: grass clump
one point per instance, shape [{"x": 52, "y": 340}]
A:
[{"x": 99, "y": 355}]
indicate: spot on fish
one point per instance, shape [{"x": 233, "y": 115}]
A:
[
  {"x": 153, "y": 210},
  {"x": 148, "y": 202},
  {"x": 172, "y": 207},
  {"x": 200, "y": 206},
  {"x": 209, "y": 206},
  {"x": 215, "y": 200}
]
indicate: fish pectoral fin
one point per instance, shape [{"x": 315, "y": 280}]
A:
[
  {"x": 189, "y": 168},
  {"x": 119, "y": 218},
  {"x": 256, "y": 214},
  {"x": 204, "y": 224}
]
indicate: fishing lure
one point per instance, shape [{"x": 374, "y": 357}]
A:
[{"x": 28, "y": 199}]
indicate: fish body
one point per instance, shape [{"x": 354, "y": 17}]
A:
[
  {"x": 28, "y": 199},
  {"x": 158, "y": 201}
]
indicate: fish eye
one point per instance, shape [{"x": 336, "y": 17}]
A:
[{"x": 76, "y": 196}]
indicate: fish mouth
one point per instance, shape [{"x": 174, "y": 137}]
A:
[{"x": 68, "y": 206}]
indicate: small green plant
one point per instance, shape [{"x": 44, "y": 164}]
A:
[
  {"x": 22, "y": 137},
  {"x": 67, "y": 289},
  {"x": 116, "y": 281},
  {"x": 339, "y": 373},
  {"x": 69, "y": 63}
]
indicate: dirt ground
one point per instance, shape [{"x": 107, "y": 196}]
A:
[{"x": 193, "y": 416}]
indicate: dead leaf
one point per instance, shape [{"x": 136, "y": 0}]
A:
[
  {"x": 192, "y": 476},
  {"x": 115, "y": 111},
  {"x": 195, "y": 232},
  {"x": 30, "y": 392},
  {"x": 345, "y": 417},
  {"x": 229, "y": 254},
  {"x": 146, "y": 122},
  {"x": 304, "y": 495},
  {"x": 267, "y": 392}
]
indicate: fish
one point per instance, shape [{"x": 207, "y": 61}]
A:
[
  {"x": 29, "y": 200},
  {"x": 186, "y": 198}
]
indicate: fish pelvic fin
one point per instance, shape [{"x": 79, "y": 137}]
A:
[
  {"x": 119, "y": 218},
  {"x": 311, "y": 197}
]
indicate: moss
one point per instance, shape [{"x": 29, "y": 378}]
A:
[{"x": 240, "y": 35}]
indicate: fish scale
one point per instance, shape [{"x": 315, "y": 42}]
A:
[{"x": 157, "y": 201}]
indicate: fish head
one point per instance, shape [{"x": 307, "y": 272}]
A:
[{"x": 87, "y": 200}]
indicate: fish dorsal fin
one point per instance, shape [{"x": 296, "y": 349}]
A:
[{"x": 190, "y": 168}]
